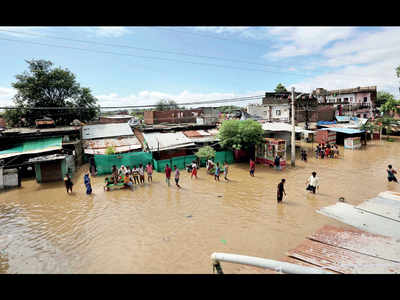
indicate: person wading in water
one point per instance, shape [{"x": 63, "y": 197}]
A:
[
  {"x": 281, "y": 190},
  {"x": 168, "y": 174},
  {"x": 177, "y": 173},
  {"x": 68, "y": 183},
  {"x": 252, "y": 167},
  {"x": 313, "y": 183},
  {"x": 391, "y": 173}
]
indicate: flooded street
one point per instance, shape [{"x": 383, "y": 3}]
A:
[{"x": 156, "y": 229}]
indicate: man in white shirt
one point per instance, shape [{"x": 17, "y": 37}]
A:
[{"x": 313, "y": 182}]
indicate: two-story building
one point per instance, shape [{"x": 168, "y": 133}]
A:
[
  {"x": 276, "y": 107},
  {"x": 357, "y": 102}
]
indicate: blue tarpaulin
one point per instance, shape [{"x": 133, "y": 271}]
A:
[{"x": 319, "y": 123}]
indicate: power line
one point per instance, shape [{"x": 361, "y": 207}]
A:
[
  {"x": 143, "y": 49},
  {"x": 239, "y": 99},
  {"x": 150, "y": 57}
]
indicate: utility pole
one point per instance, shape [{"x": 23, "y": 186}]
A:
[{"x": 293, "y": 146}]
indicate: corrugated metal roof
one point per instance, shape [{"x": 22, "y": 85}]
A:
[
  {"x": 120, "y": 145},
  {"x": 106, "y": 130},
  {"x": 34, "y": 146},
  {"x": 47, "y": 158},
  {"x": 158, "y": 141},
  {"x": 342, "y": 260},
  {"x": 276, "y": 126},
  {"x": 359, "y": 241},
  {"x": 358, "y": 218}
]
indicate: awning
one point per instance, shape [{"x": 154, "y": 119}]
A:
[
  {"x": 276, "y": 126},
  {"x": 35, "y": 146},
  {"x": 344, "y": 130}
]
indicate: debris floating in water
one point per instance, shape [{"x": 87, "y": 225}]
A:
[
  {"x": 223, "y": 241},
  {"x": 341, "y": 199},
  {"x": 189, "y": 216},
  {"x": 219, "y": 196}
]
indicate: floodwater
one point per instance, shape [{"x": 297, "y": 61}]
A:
[{"x": 160, "y": 229}]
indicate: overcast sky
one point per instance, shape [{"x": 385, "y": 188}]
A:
[{"x": 140, "y": 65}]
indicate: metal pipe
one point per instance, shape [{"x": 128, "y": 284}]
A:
[{"x": 275, "y": 265}]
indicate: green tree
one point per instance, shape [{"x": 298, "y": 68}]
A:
[
  {"x": 164, "y": 104},
  {"x": 45, "y": 86},
  {"x": 280, "y": 88},
  {"x": 390, "y": 107},
  {"x": 382, "y": 97},
  {"x": 236, "y": 134},
  {"x": 387, "y": 123},
  {"x": 206, "y": 152},
  {"x": 398, "y": 71}
]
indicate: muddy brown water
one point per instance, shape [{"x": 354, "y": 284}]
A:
[{"x": 160, "y": 229}]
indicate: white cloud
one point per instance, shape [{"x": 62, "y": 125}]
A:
[
  {"x": 110, "y": 31},
  {"x": 369, "y": 58},
  {"x": 6, "y": 95},
  {"x": 296, "y": 41},
  {"x": 23, "y": 32}
]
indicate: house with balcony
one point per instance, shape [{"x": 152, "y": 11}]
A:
[
  {"x": 276, "y": 107},
  {"x": 354, "y": 102}
]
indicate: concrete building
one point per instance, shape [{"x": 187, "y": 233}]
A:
[
  {"x": 356, "y": 102},
  {"x": 276, "y": 107},
  {"x": 175, "y": 116}
]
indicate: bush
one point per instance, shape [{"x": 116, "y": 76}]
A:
[{"x": 110, "y": 150}]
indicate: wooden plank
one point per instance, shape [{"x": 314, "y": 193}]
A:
[
  {"x": 363, "y": 220},
  {"x": 359, "y": 241},
  {"x": 342, "y": 260}
]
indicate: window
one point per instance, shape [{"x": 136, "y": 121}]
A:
[
  {"x": 278, "y": 112},
  {"x": 365, "y": 115},
  {"x": 365, "y": 99}
]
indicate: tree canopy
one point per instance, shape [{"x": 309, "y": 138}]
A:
[
  {"x": 236, "y": 134},
  {"x": 206, "y": 152},
  {"x": 45, "y": 86},
  {"x": 164, "y": 104},
  {"x": 390, "y": 106},
  {"x": 280, "y": 88},
  {"x": 382, "y": 97}
]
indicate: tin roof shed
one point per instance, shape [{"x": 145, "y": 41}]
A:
[
  {"x": 158, "y": 141},
  {"x": 106, "y": 130}
]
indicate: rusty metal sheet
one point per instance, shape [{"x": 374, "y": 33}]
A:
[
  {"x": 363, "y": 220},
  {"x": 192, "y": 133},
  {"x": 359, "y": 241},
  {"x": 303, "y": 263},
  {"x": 120, "y": 145},
  {"x": 342, "y": 260}
]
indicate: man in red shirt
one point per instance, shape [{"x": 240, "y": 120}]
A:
[
  {"x": 167, "y": 174},
  {"x": 252, "y": 167}
]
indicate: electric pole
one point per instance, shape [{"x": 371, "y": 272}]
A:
[{"x": 293, "y": 146}]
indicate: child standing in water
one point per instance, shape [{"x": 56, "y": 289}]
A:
[
  {"x": 177, "y": 173},
  {"x": 168, "y": 174},
  {"x": 149, "y": 170},
  {"x": 217, "y": 171},
  {"x": 226, "y": 171},
  {"x": 252, "y": 167},
  {"x": 68, "y": 183}
]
